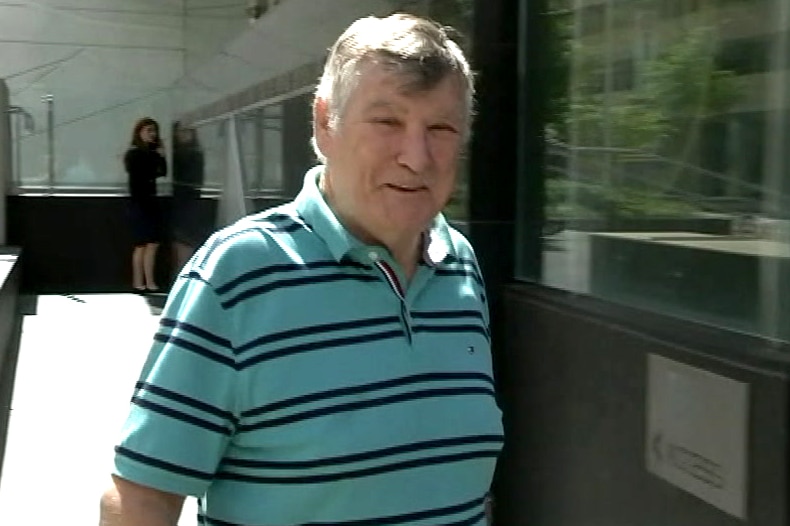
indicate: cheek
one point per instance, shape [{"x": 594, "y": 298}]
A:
[
  {"x": 446, "y": 158},
  {"x": 446, "y": 150}
]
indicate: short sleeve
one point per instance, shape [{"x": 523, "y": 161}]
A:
[{"x": 183, "y": 411}]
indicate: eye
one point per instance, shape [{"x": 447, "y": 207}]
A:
[
  {"x": 386, "y": 121},
  {"x": 443, "y": 128}
]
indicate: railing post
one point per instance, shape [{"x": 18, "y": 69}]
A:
[{"x": 49, "y": 100}]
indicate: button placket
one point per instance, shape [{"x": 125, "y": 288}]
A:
[{"x": 397, "y": 288}]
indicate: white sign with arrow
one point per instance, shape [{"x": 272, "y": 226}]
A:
[{"x": 697, "y": 426}]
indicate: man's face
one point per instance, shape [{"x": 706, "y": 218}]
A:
[{"x": 393, "y": 156}]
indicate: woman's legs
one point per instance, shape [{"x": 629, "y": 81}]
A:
[
  {"x": 138, "y": 280},
  {"x": 149, "y": 265}
]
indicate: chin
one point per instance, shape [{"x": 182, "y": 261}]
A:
[
  {"x": 410, "y": 225},
  {"x": 407, "y": 217}
]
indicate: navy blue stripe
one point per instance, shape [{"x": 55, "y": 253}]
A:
[
  {"x": 296, "y": 282},
  {"x": 366, "y": 388},
  {"x": 360, "y": 473},
  {"x": 447, "y": 315},
  {"x": 460, "y": 272},
  {"x": 316, "y": 330},
  {"x": 275, "y": 217},
  {"x": 318, "y": 346},
  {"x": 186, "y": 400},
  {"x": 462, "y": 261},
  {"x": 366, "y": 404},
  {"x": 468, "y": 522},
  {"x": 208, "y": 521},
  {"x": 368, "y": 455},
  {"x": 441, "y": 329},
  {"x": 161, "y": 464},
  {"x": 391, "y": 520},
  {"x": 219, "y": 241},
  {"x": 408, "y": 518},
  {"x": 293, "y": 227},
  {"x": 193, "y": 274},
  {"x": 197, "y": 331},
  {"x": 197, "y": 349},
  {"x": 283, "y": 268},
  {"x": 178, "y": 415}
]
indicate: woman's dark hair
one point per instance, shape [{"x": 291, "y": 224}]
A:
[{"x": 142, "y": 123}]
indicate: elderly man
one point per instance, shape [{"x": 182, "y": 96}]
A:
[{"x": 328, "y": 362}]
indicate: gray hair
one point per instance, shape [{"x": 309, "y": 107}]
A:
[{"x": 414, "y": 48}]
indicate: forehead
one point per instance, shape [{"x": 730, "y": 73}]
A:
[{"x": 380, "y": 87}]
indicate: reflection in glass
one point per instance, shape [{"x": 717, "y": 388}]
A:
[
  {"x": 249, "y": 139},
  {"x": 667, "y": 183},
  {"x": 190, "y": 221},
  {"x": 271, "y": 177},
  {"x": 106, "y": 68},
  {"x": 260, "y": 142},
  {"x": 212, "y": 137}
]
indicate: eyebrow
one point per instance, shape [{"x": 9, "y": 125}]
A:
[
  {"x": 386, "y": 105},
  {"x": 382, "y": 105}
]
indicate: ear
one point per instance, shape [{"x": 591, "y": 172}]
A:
[{"x": 321, "y": 128}]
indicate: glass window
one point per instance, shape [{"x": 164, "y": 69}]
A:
[
  {"x": 212, "y": 138},
  {"x": 272, "y": 148},
  {"x": 249, "y": 128},
  {"x": 260, "y": 142},
  {"x": 667, "y": 177},
  {"x": 99, "y": 68}
]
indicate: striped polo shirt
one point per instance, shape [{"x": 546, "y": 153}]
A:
[{"x": 297, "y": 379}]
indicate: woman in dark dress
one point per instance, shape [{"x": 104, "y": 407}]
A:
[
  {"x": 145, "y": 162},
  {"x": 191, "y": 225}
]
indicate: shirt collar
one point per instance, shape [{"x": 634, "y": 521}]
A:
[{"x": 311, "y": 205}]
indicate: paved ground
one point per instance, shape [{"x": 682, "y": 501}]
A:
[{"x": 78, "y": 360}]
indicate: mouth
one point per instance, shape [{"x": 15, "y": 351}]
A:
[{"x": 405, "y": 188}]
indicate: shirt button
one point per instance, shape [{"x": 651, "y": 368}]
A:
[{"x": 374, "y": 256}]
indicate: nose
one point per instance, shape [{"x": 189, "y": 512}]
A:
[{"x": 415, "y": 152}]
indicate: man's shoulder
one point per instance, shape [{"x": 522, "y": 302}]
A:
[
  {"x": 252, "y": 242},
  {"x": 461, "y": 245}
]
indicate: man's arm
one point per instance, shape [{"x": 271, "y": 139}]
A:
[{"x": 130, "y": 504}]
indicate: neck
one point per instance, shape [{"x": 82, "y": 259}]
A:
[
  {"x": 405, "y": 248},
  {"x": 407, "y": 254}
]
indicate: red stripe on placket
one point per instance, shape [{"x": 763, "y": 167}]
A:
[
  {"x": 395, "y": 285},
  {"x": 392, "y": 278}
]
